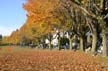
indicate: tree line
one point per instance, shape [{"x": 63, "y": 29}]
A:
[{"x": 77, "y": 17}]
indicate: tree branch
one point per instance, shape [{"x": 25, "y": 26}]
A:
[
  {"x": 106, "y": 16},
  {"x": 87, "y": 13}
]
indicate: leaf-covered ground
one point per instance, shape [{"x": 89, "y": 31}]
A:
[{"x": 46, "y": 60}]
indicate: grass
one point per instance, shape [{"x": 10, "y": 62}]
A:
[
  {"x": 17, "y": 49},
  {"x": 5, "y": 50}
]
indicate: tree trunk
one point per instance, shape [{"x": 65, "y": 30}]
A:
[
  {"x": 70, "y": 42},
  {"x": 50, "y": 45},
  {"x": 94, "y": 42},
  {"x": 104, "y": 42},
  {"x": 81, "y": 44},
  {"x": 58, "y": 44}
]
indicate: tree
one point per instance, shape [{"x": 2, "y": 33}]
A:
[
  {"x": 5, "y": 40},
  {"x": 42, "y": 15},
  {"x": 0, "y": 39},
  {"x": 75, "y": 20},
  {"x": 73, "y": 16},
  {"x": 96, "y": 11},
  {"x": 14, "y": 37}
]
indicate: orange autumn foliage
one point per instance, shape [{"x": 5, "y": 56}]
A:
[{"x": 41, "y": 20}]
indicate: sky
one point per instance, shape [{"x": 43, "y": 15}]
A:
[{"x": 12, "y": 16}]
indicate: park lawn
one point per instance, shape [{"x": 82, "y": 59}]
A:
[{"x": 5, "y": 50}]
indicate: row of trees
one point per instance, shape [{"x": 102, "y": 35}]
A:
[{"x": 74, "y": 16}]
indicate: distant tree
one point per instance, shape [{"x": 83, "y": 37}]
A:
[
  {"x": 1, "y": 39},
  {"x": 14, "y": 37},
  {"x": 5, "y": 40}
]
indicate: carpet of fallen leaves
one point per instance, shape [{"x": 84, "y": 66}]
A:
[{"x": 46, "y": 60}]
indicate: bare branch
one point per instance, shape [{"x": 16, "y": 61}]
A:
[
  {"x": 86, "y": 12},
  {"x": 106, "y": 16},
  {"x": 97, "y": 7}
]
